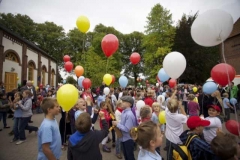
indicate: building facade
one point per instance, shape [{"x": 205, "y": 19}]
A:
[
  {"x": 232, "y": 47},
  {"x": 22, "y": 60}
]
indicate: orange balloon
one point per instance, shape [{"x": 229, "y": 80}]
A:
[{"x": 79, "y": 71}]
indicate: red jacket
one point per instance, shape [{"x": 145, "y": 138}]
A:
[{"x": 107, "y": 117}]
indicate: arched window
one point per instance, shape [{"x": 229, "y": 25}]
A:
[
  {"x": 52, "y": 77},
  {"x": 44, "y": 70},
  {"x": 31, "y": 68},
  {"x": 12, "y": 57}
]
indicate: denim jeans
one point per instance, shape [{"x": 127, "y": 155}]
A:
[
  {"x": 3, "y": 115},
  {"x": 16, "y": 127},
  {"x": 24, "y": 125},
  {"x": 227, "y": 114},
  {"x": 118, "y": 146},
  {"x": 128, "y": 149}
]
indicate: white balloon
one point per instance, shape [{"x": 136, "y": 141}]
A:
[
  {"x": 159, "y": 97},
  {"x": 140, "y": 104},
  {"x": 106, "y": 90},
  {"x": 212, "y": 27},
  {"x": 174, "y": 64},
  {"x": 157, "y": 84}
]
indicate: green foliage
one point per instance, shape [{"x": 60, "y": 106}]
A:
[
  {"x": 71, "y": 80},
  {"x": 200, "y": 60},
  {"x": 158, "y": 41}
]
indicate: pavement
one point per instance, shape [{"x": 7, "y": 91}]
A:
[{"x": 28, "y": 149}]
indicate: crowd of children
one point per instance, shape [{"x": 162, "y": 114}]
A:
[{"x": 117, "y": 115}]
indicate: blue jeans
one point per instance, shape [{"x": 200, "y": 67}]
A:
[
  {"x": 128, "y": 149},
  {"x": 16, "y": 127},
  {"x": 3, "y": 115},
  {"x": 24, "y": 125},
  {"x": 118, "y": 146}
]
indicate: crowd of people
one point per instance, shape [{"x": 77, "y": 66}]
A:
[{"x": 123, "y": 125}]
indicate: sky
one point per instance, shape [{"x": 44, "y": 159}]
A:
[{"x": 124, "y": 15}]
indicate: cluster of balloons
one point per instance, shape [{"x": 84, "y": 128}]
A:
[
  {"x": 68, "y": 65},
  {"x": 108, "y": 79}
]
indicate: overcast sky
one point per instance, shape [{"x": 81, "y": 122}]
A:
[{"x": 124, "y": 15}]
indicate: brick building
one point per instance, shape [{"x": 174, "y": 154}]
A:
[
  {"x": 22, "y": 60},
  {"x": 232, "y": 47}
]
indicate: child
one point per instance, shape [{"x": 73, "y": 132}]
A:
[
  {"x": 149, "y": 137},
  {"x": 215, "y": 123},
  {"x": 49, "y": 139},
  {"x": 118, "y": 114},
  {"x": 145, "y": 113},
  {"x": 198, "y": 147},
  {"x": 193, "y": 107},
  {"x": 80, "y": 106},
  {"x": 128, "y": 121},
  {"x": 227, "y": 106},
  {"x": 107, "y": 117},
  {"x": 84, "y": 143},
  {"x": 225, "y": 146},
  {"x": 4, "y": 107}
]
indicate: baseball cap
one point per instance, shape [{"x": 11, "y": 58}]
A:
[
  {"x": 196, "y": 121},
  {"x": 127, "y": 99},
  {"x": 217, "y": 108}
]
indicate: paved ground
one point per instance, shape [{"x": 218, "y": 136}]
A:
[{"x": 28, "y": 150}]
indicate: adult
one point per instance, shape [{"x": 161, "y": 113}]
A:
[
  {"x": 232, "y": 90},
  {"x": 185, "y": 92},
  {"x": 2, "y": 89},
  {"x": 26, "y": 106},
  {"x": 221, "y": 90},
  {"x": 113, "y": 98}
]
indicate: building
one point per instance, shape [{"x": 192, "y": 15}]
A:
[
  {"x": 232, "y": 47},
  {"x": 22, "y": 60}
]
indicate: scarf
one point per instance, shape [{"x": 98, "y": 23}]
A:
[{"x": 120, "y": 110}]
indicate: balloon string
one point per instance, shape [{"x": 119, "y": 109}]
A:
[
  {"x": 224, "y": 60},
  {"x": 107, "y": 65},
  {"x": 64, "y": 136},
  {"x": 83, "y": 51}
]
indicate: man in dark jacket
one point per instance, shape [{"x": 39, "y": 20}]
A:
[{"x": 84, "y": 143}]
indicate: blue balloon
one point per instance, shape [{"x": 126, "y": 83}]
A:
[
  {"x": 64, "y": 81},
  {"x": 162, "y": 75},
  {"x": 80, "y": 79},
  {"x": 123, "y": 81},
  {"x": 209, "y": 87}
]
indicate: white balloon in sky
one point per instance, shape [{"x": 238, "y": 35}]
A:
[{"x": 212, "y": 27}]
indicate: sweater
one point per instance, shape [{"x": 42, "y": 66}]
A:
[
  {"x": 27, "y": 108},
  {"x": 86, "y": 146}
]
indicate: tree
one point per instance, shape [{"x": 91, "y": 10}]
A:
[
  {"x": 71, "y": 80},
  {"x": 199, "y": 59},
  {"x": 51, "y": 38},
  {"x": 158, "y": 41},
  {"x": 132, "y": 43},
  {"x": 22, "y": 25}
]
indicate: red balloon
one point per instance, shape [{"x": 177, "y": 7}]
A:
[
  {"x": 113, "y": 79},
  {"x": 232, "y": 126},
  {"x": 41, "y": 86},
  {"x": 68, "y": 66},
  {"x": 220, "y": 72},
  {"x": 86, "y": 83},
  {"x": 135, "y": 58},
  {"x": 109, "y": 44},
  {"x": 172, "y": 83},
  {"x": 146, "y": 81},
  {"x": 66, "y": 58}
]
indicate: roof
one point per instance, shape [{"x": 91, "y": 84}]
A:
[
  {"x": 32, "y": 45},
  {"x": 236, "y": 29}
]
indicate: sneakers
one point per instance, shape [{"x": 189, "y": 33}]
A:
[
  {"x": 20, "y": 142},
  {"x": 13, "y": 140},
  {"x": 119, "y": 156},
  {"x": 106, "y": 149}
]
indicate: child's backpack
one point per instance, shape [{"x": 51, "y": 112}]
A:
[{"x": 181, "y": 152}]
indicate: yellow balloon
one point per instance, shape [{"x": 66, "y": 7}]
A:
[
  {"x": 83, "y": 24},
  {"x": 107, "y": 79},
  {"x": 194, "y": 89},
  {"x": 36, "y": 88},
  {"x": 162, "y": 117},
  {"x": 67, "y": 96}
]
